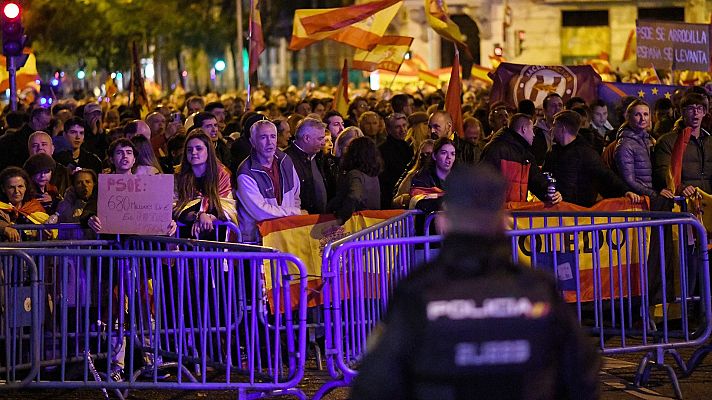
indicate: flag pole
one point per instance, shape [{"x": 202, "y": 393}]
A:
[
  {"x": 249, "y": 56},
  {"x": 394, "y": 77}
]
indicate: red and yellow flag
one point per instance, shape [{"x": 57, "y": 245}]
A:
[
  {"x": 25, "y": 75},
  {"x": 388, "y": 54},
  {"x": 439, "y": 19},
  {"x": 453, "y": 103},
  {"x": 305, "y": 236},
  {"x": 344, "y": 26},
  {"x": 429, "y": 78},
  {"x": 629, "y": 51},
  {"x": 257, "y": 42},
  {"x": 341, "y": 100},
  {"x": 596, "y": 268}
]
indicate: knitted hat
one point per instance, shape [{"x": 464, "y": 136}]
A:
[
  {"x": 417, "y": 118},
  {"x": 38, "y": 163}
]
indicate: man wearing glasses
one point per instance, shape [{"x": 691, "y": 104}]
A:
[{"x": 697, "y": 154}]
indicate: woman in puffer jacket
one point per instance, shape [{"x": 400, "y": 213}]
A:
[{"x": 632, "y": 154}]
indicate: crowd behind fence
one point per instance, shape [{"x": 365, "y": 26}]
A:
[{"x": 136, "y": 312}]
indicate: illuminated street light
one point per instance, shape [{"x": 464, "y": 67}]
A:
[{"x": 220, "y": 65}]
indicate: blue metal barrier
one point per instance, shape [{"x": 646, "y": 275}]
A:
[
  {"x": 225, "y": 231},
  {"x": 121, "y": 319},
  {"x": 360, "y": 276}
]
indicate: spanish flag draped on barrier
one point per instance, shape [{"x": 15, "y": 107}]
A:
[
  {"x": 31, "y": 210},
  {"x": 612, "y": 252},
  {"x": 305, "y": 236}
]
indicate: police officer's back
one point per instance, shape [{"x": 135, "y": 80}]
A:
[{"x": 473, "y": 325}]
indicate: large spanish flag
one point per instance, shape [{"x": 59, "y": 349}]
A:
[
  {"x": 388, "y": 54},
  {"x": 598, "y": 269},
  {"x": 339, "y": 25},
  {"x": 305, "y": 236}
]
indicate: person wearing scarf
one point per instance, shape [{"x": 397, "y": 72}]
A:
[{"x": 17, "y": 204}]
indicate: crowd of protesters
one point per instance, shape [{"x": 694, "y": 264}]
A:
[{"x": 291, "y": 153}]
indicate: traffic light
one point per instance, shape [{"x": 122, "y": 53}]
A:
[{"x": 13, "y": 34}]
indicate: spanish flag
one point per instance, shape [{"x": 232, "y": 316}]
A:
[
  {"x": 438, "y": 18},
  {"x": 305, "y": 236},
  {"x": 341, "y": 100},
  {"x": 257, "y": 42},
  {"x": 629, "y": 51},
  {"x": 25, "y": 75},
  {"x": 481, "y": 73},
  {"x": 594, "y": 271},
  {"x": 362, "y": 29},
  {"x": 387, "y": 55},
  {"x": 453, "y": 103},
  {"x": 429, "y": 78}
]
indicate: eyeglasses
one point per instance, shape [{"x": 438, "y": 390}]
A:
[{"x": 695, "y": 108}]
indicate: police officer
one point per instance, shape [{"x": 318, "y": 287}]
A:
[{"x": 472, "y": 324}]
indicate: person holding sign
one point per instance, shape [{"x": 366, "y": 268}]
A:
[
  {"x": 203, "y": 190},
  {"x": 122, "y": 157}
]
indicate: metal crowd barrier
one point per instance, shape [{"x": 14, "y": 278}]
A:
[
  {"x": 617, "y": 305},
  {"x": 196, "y": 317},
  {"x": 225, "y": 231},
  {"x": 369, "y": 288}
]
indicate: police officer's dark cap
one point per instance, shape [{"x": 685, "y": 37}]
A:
[{"x": 475, "y": 188}]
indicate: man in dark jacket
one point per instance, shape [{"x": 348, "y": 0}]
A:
[
  {"x": 396, "y": 154},
  {"x": 440, "y": 125},
  {"x": 579, "y": 171},
  {"x": 13, "y": 144},
  {"x": 309, "y": 138},
  {"x": 472, "y": 324},
  {"x": 509, "y": 151}
]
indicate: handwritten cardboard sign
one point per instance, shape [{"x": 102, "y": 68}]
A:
[
  {"x": 135, "y": 204},
  {"x": 673, "y": 45}
]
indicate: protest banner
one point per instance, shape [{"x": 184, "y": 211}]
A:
[
  {"x": 135, "y": 204},
  {"x": 515, "y": 82},
  {"x": 673, "y": 45}
]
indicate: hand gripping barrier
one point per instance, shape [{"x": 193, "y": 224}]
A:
[
  {"x": 195, "y": 317},
  {"x": 225, "y": 231},
  {"x": 604, "y": 269}
]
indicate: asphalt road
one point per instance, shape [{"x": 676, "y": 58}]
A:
[{"x": 617, "y": 376}]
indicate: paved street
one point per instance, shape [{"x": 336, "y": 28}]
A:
[{"x": 617, "y": 376}]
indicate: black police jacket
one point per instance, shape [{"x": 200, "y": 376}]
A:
[{"x": 473, "y": 325}]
